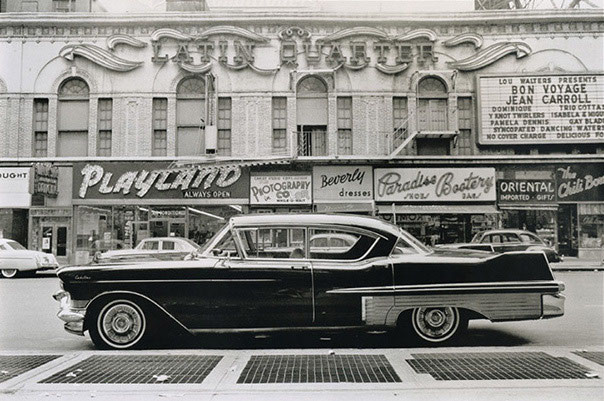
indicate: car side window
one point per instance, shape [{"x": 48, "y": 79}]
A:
[
  {"x": 338, "y": 244},
  {"x": 273, "y": 243},
  {"x": 226, "y": 247},
  {"x": 526, "y": 238},
  {"x": 495, "y": 239},
  {"x": 168, "y": 245},
  {"x": 151, "y": 245},
  {"x": 511, "y": 238},
  {"x": 2, "y": 247}
]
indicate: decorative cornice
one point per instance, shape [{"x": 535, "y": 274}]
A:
[
  {"x": 294, "y": 31},
  {"x": 472, "y": 38},
  {"x": 169, "y": 33},
  {"x": 416, "y": 34},
  {"x": 196, "y": 69},
  {"x": 392, "y": 69},
  {"x": 99, "y": 56},
  {"x": 115, "y": 40},
  {"x": 357, "y": 31},
  {"x": 490, "y": 55},
  {"x": 233, "y": 30}
]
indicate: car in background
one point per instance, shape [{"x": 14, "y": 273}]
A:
[
  {"x": 244, "y": 279},
  {"x": 17, "y": 260},
  {"x": 165, "y": 248},
  {"x": 511, "y": 240}
]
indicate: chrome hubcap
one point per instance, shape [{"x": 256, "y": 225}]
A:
[
  {"x": 436, "y": 324},
  {"x": 122, "y": 324},
  {"x": 8, "y": 273}
]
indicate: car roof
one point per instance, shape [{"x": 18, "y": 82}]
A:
[
  {"x": 366, "y": 222},
  {"x": 161, "y": 238},
  {"x": 511, "y": 230}
]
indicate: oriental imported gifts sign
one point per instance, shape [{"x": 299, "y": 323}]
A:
[
  {"x": 521, "y": 191},
  {"x": 146, "y": 181},
  {"x": 434, "y": 184},
  {"x": 524, "y": 109}
]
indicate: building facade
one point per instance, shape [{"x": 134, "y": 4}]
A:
[{"x": 168, "y": 124}]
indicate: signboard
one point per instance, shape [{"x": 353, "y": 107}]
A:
[
  {"x": 580, "y": 183},
  {"x": 342, "y": 184},
  {"x": 434, "y": 184},
  {"x": 155, "y": 180},
  {"x": 546, "y": 108},
  {"x": 45, "y": 179},
  {"x": 280, "y": 189},
  {"x": 14, "y": 187},
  {"x": 522, "y": 191}
]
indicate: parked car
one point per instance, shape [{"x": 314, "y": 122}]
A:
[
  {"x": 386, "y": 279},
  {"x": 15, "y": 259},
  {"x": 510, "y": 240},
  {"x": 156, "y": 247}
]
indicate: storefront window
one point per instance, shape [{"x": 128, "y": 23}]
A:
[
  {"x": 591, "y": 226},
  {"x": 540, "y": 222}
]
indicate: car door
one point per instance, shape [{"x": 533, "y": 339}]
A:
[
  {"x": 342, "y": 266},
  {"x": 512, "y": 243},
  {"x": 270, "y": 285},
  {"x": 495, "y": 240}
]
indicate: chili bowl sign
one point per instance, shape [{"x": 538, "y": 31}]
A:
[
  {"x": 561, "y": 108},
  {"x": 342, "y": 184},
  {"x": 280, "y": 189},
  {"x": 580, "y": 183},
  {"x": 156, "y": 180},
  {"x": 434, "y": 184}
]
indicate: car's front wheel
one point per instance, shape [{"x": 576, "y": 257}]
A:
[
  {"x": 9, "y": 273},
  {"x": 119, "y": 324},
  {"x": 434, "y": 325}
]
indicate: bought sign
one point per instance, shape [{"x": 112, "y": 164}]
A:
[
  {"x": 566, "y": 108},
  {"x": 434, "y": 184}
]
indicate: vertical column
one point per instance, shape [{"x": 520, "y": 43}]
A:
[
  {"x": 332, "y": 124},
  {"x": 453, "y": 121},
  {"x": 53, "y": 104},
  {"x": 93, "y": 109},
  {"x": 170, "y": 127},
  {"x": 292, "y": 125},
  {"x": 25, "y": 128}
]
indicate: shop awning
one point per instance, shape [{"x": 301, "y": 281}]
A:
[
  {"x": 366, "y": 207},
  {"x": 438, "y": 209},
  {"x": 529, "y": 207}
]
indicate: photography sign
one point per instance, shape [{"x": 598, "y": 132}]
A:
[
  {"x": 280, "y": 189},
  {"x": 544, "y": 108},
  {"x": 435, "y": 184}
]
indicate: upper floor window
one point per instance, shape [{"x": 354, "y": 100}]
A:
[
  {"x": 159, "y": 142},
  {"x": 105, "y": 122},
  {"x": 279, "y": 140},
  {"x": 190, "y": 117},
  {"x": 224, "y": 126},
  {"x": 432, "y": 116},
  {"x": 311, "y": 116},
  {"x": 465, "y": 124},
  {"x": 64, "y": 6},
  {"x": 344, "y": 125},
  {"x": 72, "y": 119},
  {"x": 40, "y": 148}
]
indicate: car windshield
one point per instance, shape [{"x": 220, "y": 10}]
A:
[
  {"x": 16, "y": 246},
  {"x": 477, "y": 237},
  {"x": 415, "y": 242},
  {"x": 212, "y": 241}
]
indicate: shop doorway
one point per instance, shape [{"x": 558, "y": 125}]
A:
[
  {"x": 568, "y": 238},
  {"x": 167, "y": 228},
  {"x": 55, "y": 240}
]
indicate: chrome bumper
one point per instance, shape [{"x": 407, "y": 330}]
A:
[
  {"x": 73, "y": 318},
  {"x": 553, "y": 305}
]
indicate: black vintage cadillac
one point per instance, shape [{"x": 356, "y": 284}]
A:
[{"x": 302, "y": 271}]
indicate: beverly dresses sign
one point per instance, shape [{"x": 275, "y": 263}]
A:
[
  {"x": 434, "y": 184},
  {"x": 342, "y": 184},
  {"x": 273, "y": 189},
  {"x": 544, "y": 108}
]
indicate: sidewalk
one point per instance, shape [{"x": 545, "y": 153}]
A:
[
  {"x": 573, "y": 263},
  {"x": 477, "y": 373}
]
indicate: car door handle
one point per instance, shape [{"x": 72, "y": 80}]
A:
[{"x": 303, "y": 267}]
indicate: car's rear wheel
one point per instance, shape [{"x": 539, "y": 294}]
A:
[
  {"x": 119, "y": 324},
  {"x": 436, "y": 325},
  {"x": 9, "y": 273}
]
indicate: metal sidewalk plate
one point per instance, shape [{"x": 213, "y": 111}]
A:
[
  {"x": 497, "y": 366},
  {"x": 594, "y": 356},
  {"x": 14, "y": 365},
  {"x": 138, "y": 369},
  {"x": 263, "y": 369}
]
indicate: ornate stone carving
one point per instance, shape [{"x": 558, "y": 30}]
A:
[
  {"x": 490, "y": 55},
  {"x": 357, "y": 31},
  {"x": 115, "y": 40},
  {"x": 99, "y": 56},
  {"x": 417, "y": 34},
  {"x": 472, "y": 38}
]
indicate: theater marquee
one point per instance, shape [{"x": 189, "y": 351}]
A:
[{"x": 546, "y": 108}]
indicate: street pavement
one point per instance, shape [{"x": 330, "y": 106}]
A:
[{"x": 29, "y": 327}]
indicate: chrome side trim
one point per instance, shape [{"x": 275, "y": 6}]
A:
[
  {"x": 549, "y": 286},
  {"x": 184, "y": 281}
]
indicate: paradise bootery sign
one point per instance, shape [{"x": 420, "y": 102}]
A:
[
  {"x": 563, "y": 108},
  {"x": 267, "y": 189},
  {"x": 155, "y": 180},
  {"x": 580, "y": 183},
  {"x": 434, "y": 184}
]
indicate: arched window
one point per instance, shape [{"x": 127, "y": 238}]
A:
[
  {"x": 311, "y": 113},
  {"x": 432, "y": 116},
  {"x": 190, "y": 117},
  {"x": 72, "y": 119}
]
